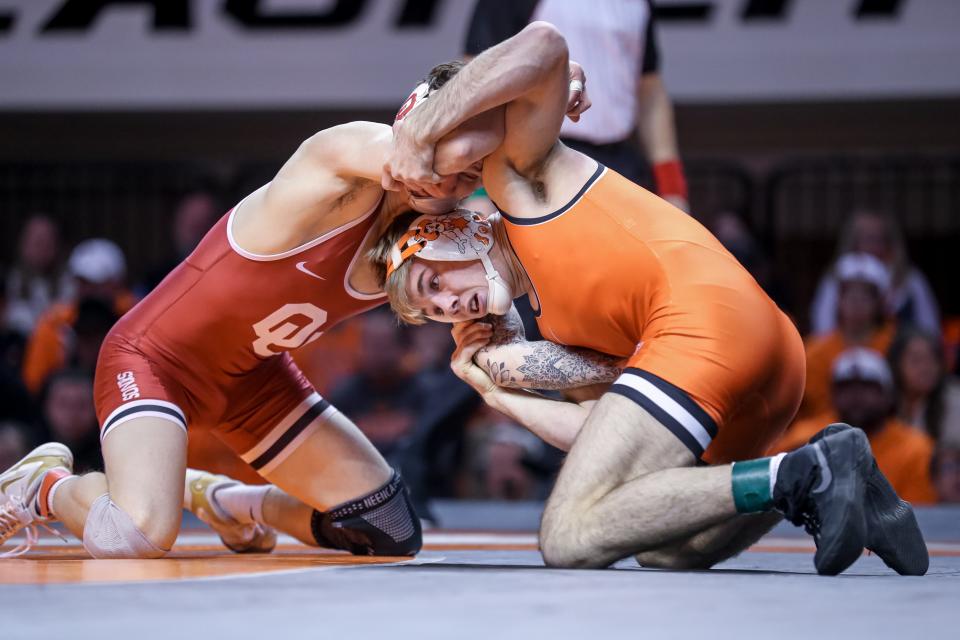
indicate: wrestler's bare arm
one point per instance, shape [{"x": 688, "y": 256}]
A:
[
  {"x": 334, "y": 177},
  {"x": 528, "y": 73},
  {"x": 324, "y": 184},
  {"x": 554, "y": 421},
  {"x": 328, "y": 165},
  {"x": 512, "y": 361},
  {"x": 341, "y": 159}
]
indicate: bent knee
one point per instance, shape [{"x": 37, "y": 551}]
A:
[
  {"x": 160, "y": 530},
  {"x": 561, "y": 539},
  {"x": 390, "y": 528},
  {"x": 564, "y": 557},
  {"x": 111, "y": 532},
  {"x": 562, "y": 548}
]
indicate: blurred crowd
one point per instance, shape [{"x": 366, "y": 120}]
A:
[{"x": 877, "y": 358}]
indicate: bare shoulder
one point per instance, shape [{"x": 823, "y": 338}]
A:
[
  {"x": 330, "y": 180},
  {"x": 348, "y": 137},
  {"x": 537, "y": 191},
  {"x": 351, "y": 151},
  {"x": 334, "y": 161},
  {"x": 268, "y": 227}
]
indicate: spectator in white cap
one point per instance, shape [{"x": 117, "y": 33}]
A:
[
  {"x": 98, "y": 268},
  {"x": 909, "y": 296},
  {"x": 862, "y": 321},
  {"x": 863, "y": 396}
]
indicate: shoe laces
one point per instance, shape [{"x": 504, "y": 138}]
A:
[
  {"x": 798, "y": 506},
  {"x": 12, "y": 521},
  {"x": 811, "y": 520}
]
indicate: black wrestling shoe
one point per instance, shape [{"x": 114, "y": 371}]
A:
[
  {"x": 823, "y": 487},
  {"x": 892, "y": 529}
]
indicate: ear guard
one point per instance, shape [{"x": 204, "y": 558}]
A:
[
  {"x": 414, "y": 100},
  {"x": 423, "y": 204},
  {"x": 454, "y": 237}
]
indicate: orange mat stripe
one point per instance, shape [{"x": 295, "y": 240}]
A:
[{"x": 73, "y": 565}]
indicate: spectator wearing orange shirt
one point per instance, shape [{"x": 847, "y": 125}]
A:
[
  {"x": 98, "y": 268},
  {"x": 929, "y": 399},
  {"x": 862, "y": 321},
  {"x": 863, "y": 396}
]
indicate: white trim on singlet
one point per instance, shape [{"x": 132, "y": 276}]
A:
[
  {"x": 346, "y": 277},
  {"x": 145, "y": 408},
  {"x": 673, "y": 408},
  {"x": 315, "y": 425},
  {"x": 292, "y": 252},
  {"x": 268, "y": 440}
]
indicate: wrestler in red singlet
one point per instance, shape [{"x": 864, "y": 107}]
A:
[{"x": 208, "y": 347}]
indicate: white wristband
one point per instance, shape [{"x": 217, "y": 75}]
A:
[{"x": 576, "y": 85}]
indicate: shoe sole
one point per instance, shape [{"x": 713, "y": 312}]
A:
[
  {"x": 847, "y": 455},
  {"x": 264, "y": 545},
  {"x": 892, "y": 530}
]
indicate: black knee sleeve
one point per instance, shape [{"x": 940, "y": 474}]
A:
[{"x": 381, "y": 523}]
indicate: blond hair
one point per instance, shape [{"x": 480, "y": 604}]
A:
[{"x": 396, "y": 285}]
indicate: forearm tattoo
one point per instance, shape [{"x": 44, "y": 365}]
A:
[
  {"x": 552, "y": 366},
  {"x": 500, "y": 374},
  {"x": 541, "y": 365}
]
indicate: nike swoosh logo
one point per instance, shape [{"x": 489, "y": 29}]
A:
[
  {"x": 26, "y": 469},
  {"x": 826, "y": 476},
  {"x": 33, "y": 468},
  {"x": 301, "y": 266},
  {"x": 3, "y": 487}
]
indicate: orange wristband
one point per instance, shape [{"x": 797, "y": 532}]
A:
[{"x": 669, "y": 179}]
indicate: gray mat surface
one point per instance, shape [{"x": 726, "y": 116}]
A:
[{"x": 509, "y": 594}]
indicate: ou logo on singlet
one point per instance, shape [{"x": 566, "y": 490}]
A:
[{"x": 285, "y": 328}]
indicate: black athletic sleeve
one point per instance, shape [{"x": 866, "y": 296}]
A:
[
  {"x": 651, "y": 52},
  {"x": 494, "y": 21}
]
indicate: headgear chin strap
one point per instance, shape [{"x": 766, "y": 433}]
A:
[{"x": 454, "y": 237}]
